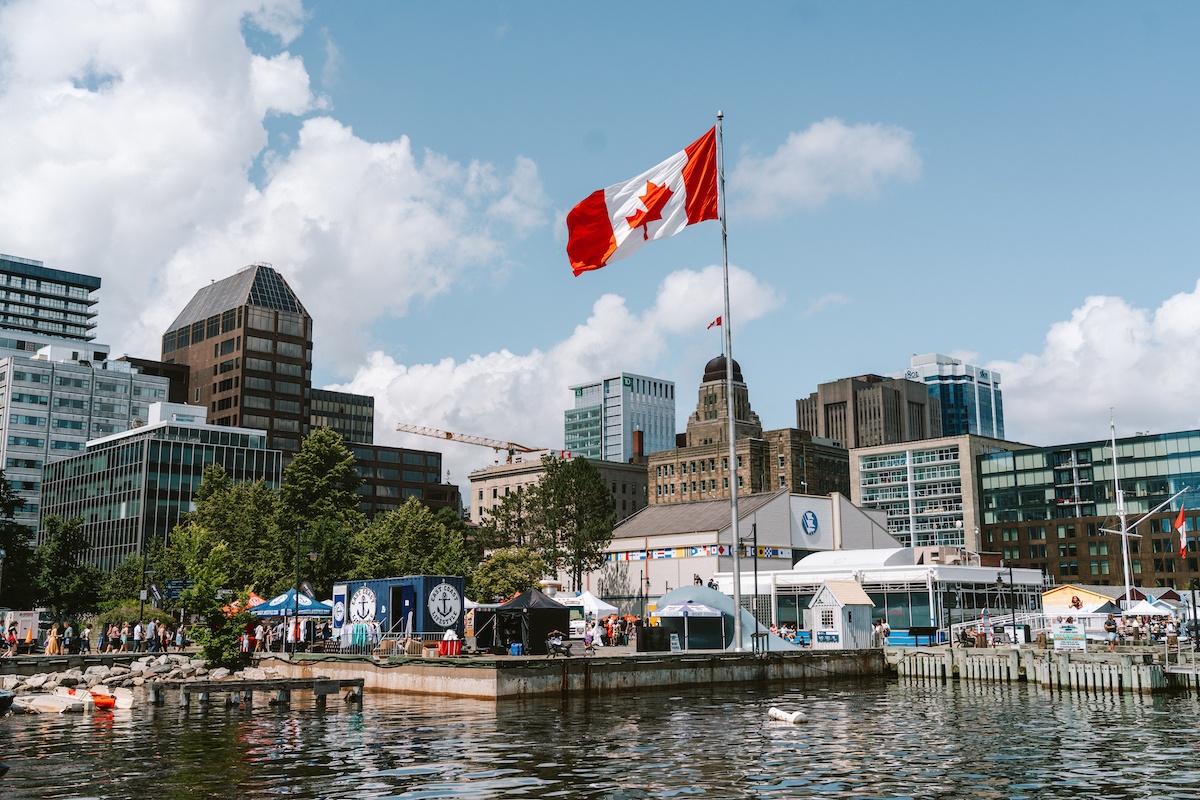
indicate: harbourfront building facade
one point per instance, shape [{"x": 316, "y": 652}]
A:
[
  {"x": 51, "y": 405},
  {"x": 1052, "y": 508},
  {"x": 490, "y": 485},
  {"x": 765, "y": 461},
  {"x": 969, "y": 396},
  {"x": 870, "y": 410},
  {"x": 134, "y": 487},
  {"x": 609, "y": 412},
  {"x": 927, "y": 488}
]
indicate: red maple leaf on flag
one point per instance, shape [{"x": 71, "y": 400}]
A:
[{"x": 655, "y": 200}]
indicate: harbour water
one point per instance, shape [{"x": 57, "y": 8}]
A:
[{"x": 876, "y": 739}]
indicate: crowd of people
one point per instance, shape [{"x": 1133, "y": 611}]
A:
[
  {"x": 612, "y": 631},
  {"x": 138, "y": 637}
]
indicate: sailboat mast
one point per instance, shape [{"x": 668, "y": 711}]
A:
[{"x": 1120, "y": 508}]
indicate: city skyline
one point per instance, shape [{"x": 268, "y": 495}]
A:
[{"x": 899, "y": 183}]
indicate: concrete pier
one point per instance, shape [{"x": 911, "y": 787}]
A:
[
  {"x": 1103, "y": 671},
  {"x": 497, "y": 678}
]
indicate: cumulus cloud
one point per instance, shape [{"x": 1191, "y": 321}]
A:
[
  {"x": 828, "y": 159},
  {"x": 139, "y": 127},
  {"x": 1142, "y": 364},
  {"x": 521, "y": 397}
]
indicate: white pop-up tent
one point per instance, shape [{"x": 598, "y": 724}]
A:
[
  {"x": 590, "y": 604},
  {"x": 1144, "y": 609}
]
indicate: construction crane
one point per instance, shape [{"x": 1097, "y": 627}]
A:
[{"x": 511, "y": 448}]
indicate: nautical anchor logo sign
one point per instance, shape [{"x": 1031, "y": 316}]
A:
[{"x": 445, "y": 605}]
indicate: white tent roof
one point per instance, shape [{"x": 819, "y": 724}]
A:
[
  {"x": 590, "y": 604},
  {"x": 857, "y": 559},
  {"x": 1144, "y": 609}
]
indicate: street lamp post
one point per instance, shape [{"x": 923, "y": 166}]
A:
[
  {"x": 1012, "y": 597},
  {"x": 312, "y": 557},
  {"x": 146, "y": 573}
]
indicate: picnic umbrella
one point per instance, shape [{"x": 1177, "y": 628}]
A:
[{"x": 285, "y": 606}]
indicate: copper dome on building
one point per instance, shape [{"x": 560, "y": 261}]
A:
[{"x": 715, "y": 371}]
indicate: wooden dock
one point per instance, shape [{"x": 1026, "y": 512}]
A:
[{"x": 239, "y": 692}]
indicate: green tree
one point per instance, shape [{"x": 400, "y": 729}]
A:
[
  {"x": 18, "y": 585},
  {"x": 506, "y": 572},
  {"x": 411, "y": 540},
  {"x": 64, "y": 582},
  {"x": 245, "y": 516},
  {"x": 508, "y": 524},
  {"x": 123, "y": 584},
  {"x": 318, "y": 511},
  {"x": 321, "y": 481},
  {"x": 572, "y": 517},
  {"x": 206, "y": 559}
]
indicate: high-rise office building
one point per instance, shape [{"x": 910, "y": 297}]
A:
[
  {"x": 51, "y": 405},
  {"x": 870, "y": 410},
  {"x": 351, "y": 415},
  {"x": 970, "y": 397},
  {"x": 609, "y": 411},
  {"x": 247, "y": 341},
  {"x": 43, "y": 306},
  {"x": 134, "y": 487}
]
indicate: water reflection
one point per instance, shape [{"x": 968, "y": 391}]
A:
[{"x": 872, "y": 740}]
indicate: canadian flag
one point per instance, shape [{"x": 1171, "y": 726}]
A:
[
  {"x": 716, "y": 323},
  {"x": 614, "y": 223},
  {"x": 1181, "y": 526}
]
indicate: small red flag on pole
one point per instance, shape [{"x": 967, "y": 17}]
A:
[{"x": 716, "y": 323}]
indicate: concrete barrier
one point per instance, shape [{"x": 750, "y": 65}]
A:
[{"x": 487, "y": 678}]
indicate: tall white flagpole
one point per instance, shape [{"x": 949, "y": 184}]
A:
[{"x": 733, "y": 486}]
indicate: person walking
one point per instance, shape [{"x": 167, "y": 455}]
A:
[
  {"x": 53, "y": 641},
  {"x": 1110, "y": 633}
]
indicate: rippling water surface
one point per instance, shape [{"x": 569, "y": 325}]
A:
[{"x": 872, "y": 740}]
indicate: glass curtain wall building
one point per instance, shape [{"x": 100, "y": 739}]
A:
[
  {"x": 1047, "y": 507},
  {"x": 135, "y": 486},
  {"x": 970, "y": 396},
  {"x": 608, "y": 411},
  {"x": 40, "y": 306},
  {"x": 50, "y": 407}
]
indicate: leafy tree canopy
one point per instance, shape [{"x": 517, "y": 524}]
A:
[
  {"x": 506, "y": 572},
  {"x": 18, "y": 585},
  {"x": 411, "y": 540},
  {"x": 65, "y": 583}
]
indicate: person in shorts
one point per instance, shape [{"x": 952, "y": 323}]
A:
[{"x": 1110, "y": 633}]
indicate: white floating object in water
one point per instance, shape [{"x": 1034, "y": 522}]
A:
[{"x": 783, "y": 716}]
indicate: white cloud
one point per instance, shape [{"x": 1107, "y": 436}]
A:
[
  {"x": 829, "y": 159},
  {"x": 825, "y": 301},
  {"x": 139, "y": 125},
  {"x": 520, "y": 398},
  {"x": 1143, "y": 365}
]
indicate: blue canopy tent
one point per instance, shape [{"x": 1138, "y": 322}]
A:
[{"x": 285, "y": 606}]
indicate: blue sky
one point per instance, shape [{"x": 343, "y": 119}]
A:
[{"x": 1013, "y": 183}]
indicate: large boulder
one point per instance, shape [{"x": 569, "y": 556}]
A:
[
  {"x": 220, "y": 673},
  {"x": 36, "y": 681}
]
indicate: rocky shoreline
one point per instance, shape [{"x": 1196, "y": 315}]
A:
[{"x": 165, "y": 668}]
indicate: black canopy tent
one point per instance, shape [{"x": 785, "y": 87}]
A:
[{"x": 528, "y": 619}]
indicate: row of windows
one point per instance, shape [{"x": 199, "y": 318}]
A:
[
  {"x": 703, "y": 486},
  {"x": 197, "y": 332}
]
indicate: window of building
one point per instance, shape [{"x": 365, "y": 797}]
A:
[
  {"x": 827, "y": 617},
  {"x": 287, "y": 406},
  {"x": 289, "y": 349},
  {"x": 258, "y": 344}
]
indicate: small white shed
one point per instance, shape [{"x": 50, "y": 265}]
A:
[{"x": 840, "y": 617}]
